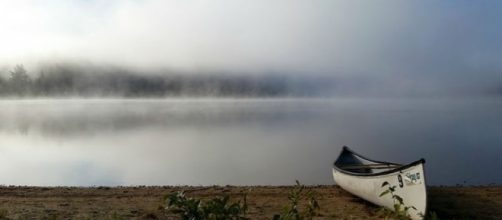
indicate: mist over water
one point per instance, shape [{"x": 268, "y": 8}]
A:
[
  {"x": 247, "y": 92},
  {"x": 242, "y": 141}
]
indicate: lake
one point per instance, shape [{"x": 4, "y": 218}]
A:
[{"x": 86, "y": 142}]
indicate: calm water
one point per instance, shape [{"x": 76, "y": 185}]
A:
[{"x": 242, "y": 142}]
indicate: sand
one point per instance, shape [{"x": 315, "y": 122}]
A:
[{"x": 20, "y": 202}]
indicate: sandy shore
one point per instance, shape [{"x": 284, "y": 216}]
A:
[{"x": 264, "y": 201}]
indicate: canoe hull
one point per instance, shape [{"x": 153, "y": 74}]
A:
[{"x": 409, "y": 182}]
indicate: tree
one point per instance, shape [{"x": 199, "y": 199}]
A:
[{"x": 19, "y": 81}]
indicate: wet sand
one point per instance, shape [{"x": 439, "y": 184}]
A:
[{"x": 19, "y": 202}]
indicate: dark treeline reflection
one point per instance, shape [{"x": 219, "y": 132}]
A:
[
  {"x": 74, "y": 117},
  {"x": 71, "y": 80}
]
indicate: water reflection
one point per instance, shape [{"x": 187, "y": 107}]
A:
[
  {"x": 88, "y": 117},
  {"x": 242, "y": 142}
]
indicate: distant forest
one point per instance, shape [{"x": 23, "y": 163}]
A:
[{"x": 68, "y": 80}]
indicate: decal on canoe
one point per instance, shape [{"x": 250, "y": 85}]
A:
[{"x": 412, "y": 178}]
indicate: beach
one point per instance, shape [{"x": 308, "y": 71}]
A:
[{"x": 147, "y": 202}]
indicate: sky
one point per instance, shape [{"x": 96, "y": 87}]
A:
[{"x": 406, "y": 41}]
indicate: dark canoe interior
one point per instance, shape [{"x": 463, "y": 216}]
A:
[{"x": 352, "y": 162}]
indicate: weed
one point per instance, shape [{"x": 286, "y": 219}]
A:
[
  {"x": 292, "y": 212},
  {"x": 400, "y": 210},
  {"x": 187, "y": 208},
  {"x": 218, "y": 208}
]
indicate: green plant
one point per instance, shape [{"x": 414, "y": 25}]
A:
[
  {"x": 218, "y": 208},
  {"x": 292, "y": 212},
  {"x": 400, "y": 211},
  {"x": 187, "y": 208}
]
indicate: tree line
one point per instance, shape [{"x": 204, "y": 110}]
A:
[{"x": 76, "y": 81}]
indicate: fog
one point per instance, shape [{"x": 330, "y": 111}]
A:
[
  {"x": 246, "y": 92},
  {"x": 84, "y": 80},
  {"x": 422, "y": 48}
]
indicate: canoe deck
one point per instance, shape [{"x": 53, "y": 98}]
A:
[{"x": 352, "y": 162}]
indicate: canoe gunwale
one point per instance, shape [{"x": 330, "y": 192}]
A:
[{"x": 395, "y": 170}]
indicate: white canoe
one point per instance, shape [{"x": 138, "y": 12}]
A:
[{"x": 364, "y": 177}]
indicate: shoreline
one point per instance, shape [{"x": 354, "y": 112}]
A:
[{"x": 146, "y": 202}]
